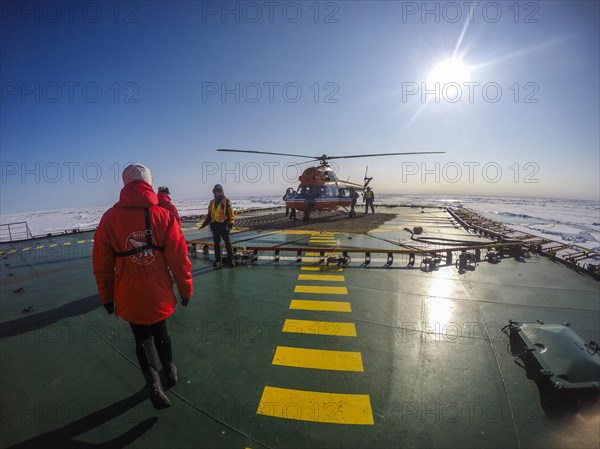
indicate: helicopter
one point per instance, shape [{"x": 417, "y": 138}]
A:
[{"x": 320, "y": 189}]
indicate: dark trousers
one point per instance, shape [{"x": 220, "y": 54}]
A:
[
  {"x": 144, "y": 334},
  {"x": 293, "y": 213},
  {"x": 369, "y": 203},
  {"x": 287, "y": 211},
  {"x": 220, "y": 231}
]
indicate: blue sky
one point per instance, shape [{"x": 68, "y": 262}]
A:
[{"x": 88, "y": 87}]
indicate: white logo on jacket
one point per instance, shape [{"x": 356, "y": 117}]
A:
[{"x": 137, "y": 240}]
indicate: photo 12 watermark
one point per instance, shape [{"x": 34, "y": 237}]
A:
[
  {"x": 408, "y": 171},
  {"x": 452, "y": 332},
  {"x": 249, "y": 12},
  {"x": 462, "y": 411},
  {"x": 471, "y": 92},
  {"x": 65, "y": 332},
  {"x": 69, "y": 12},
  {"x": 470, "y": 11},
  {"x": 228, "y": 332},
  {"x": 54, "y": 172},
  {"x": 69, "y": 92},
  {"x": 25, "y": 412},
  {"x": 27, "y": 252},
  {"x": 269, "y": 92},
  {"x": 469, "y": 171},
  {"x": 250, "y": 172}
]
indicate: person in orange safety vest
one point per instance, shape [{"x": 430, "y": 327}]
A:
[{"x": 221, "y": 218}]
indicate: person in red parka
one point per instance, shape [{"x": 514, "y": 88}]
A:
[
  {"x": 164, "y": 200},
  {"x": 135, "y": 245}
]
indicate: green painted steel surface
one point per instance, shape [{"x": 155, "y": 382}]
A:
[{"x": 436, "y": 365}]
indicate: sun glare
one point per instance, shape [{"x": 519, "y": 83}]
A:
[{"x": 451, "y": 70}]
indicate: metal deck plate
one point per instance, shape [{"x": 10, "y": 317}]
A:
[{"x": 366, "y": 356}]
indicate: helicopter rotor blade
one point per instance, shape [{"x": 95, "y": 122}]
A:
[
  {"x": 384, "y": 154},
  {"x": 300, "y": 163},
  {"x": 324, "y": 157},
  {"x": 264, "y": 152}
]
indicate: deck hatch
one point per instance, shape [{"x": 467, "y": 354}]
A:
[{"x": 558, "y": 352}]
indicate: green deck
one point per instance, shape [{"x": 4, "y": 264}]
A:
[{"x": 434, "y": 365}]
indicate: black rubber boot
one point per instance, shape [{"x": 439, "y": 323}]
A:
[
  {"x": 157, "y": 396},
  {"x": 145, "y": 355},
  {"x": 165, "y": 354}
]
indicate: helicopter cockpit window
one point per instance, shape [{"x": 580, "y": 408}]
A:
[
  {"x": 306, "y": 190},
  {"x": 344, "y": 193},
  {"x": 330, "y": 176}
]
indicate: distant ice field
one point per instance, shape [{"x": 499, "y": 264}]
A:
[{"x": 569, "y": 221}]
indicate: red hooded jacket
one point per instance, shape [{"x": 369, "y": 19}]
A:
[
  {"x": 140, "y": 285},
  {"x": 164, "y": 200}
]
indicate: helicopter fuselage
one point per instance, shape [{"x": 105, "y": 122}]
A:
[{"x": 320, "y": 189}]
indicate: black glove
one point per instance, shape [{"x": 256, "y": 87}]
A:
[
  {"x": 110, "y": 307},
  {"x": 202, "y": 226},
  {"x": 184, "y": 301}
]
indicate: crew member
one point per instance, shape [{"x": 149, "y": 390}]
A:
[
  {"x": 135, "y": 246},
  {"x": 293, "y": 209},
  {"x": 355, "y": 196},
  {"x": 288, "y": 196},
  {"x": 164, "y": 200},
  {"x": 221, "y": 217},
  {"x": 369, "y": 199}
]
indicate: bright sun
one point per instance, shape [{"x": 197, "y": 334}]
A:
[{"x": 451, "y": 70}]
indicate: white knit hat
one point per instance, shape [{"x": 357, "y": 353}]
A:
[{"x": 135, "y": 172}]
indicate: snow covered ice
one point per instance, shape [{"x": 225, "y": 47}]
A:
[{"x": 568, "y": 221}]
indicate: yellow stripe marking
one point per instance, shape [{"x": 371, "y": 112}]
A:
[
  {"x": 321, "y": 289},
  {"x": 12, "y": 251},
  {"x": 318, "y": 359},
  {"x": 316, "y": 406},
  {"x": 1, "y": 253},
  {"x": 331, "y": 328},
  {"x": 26, "y": 249},
  {"x": 324, "y": 306},
  {"x": 53, "y": 245},
  {"x": 312, "y": 254},
  {"x": 66, "y": 243},
  {"x": 322, "y": 268},
  {"x": 321, "y": 277},
  {"x": 39, "y": 247},
  {"x": 79, "y": 242}
]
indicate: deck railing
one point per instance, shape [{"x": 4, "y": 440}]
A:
[{"x": 9, "y": 232}]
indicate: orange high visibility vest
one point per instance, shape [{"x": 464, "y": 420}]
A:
[{"x": 218, "y": 213}]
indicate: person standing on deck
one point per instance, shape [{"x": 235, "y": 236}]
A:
[
  {"x": 369, "y": 199},
  {"x": 288, "y": 196},
  {"x": 293, "y": 209},
  {"x": 135, "y": 245},
  {"x": 164, "y": 200},
  {"x": 354, "y": 201},
  {"x": 221, "y": 218}
]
